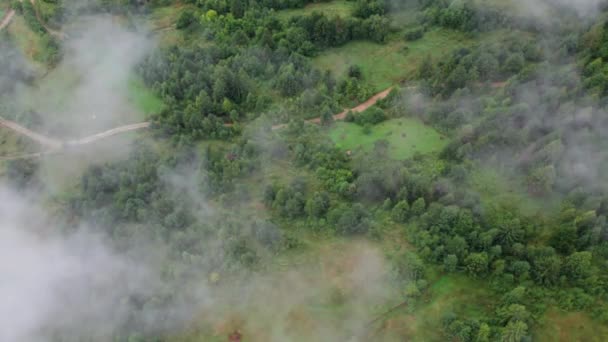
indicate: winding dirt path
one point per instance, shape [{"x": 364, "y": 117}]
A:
[
  {"x": 7, "y": 19},
  {"x": 39, "y": 138},
  {"x": 55, "y": 145},
  {"x": 52, "y": 32},
  {"x": 341, "y": 116},
  {"x": 107, "y": 134}
]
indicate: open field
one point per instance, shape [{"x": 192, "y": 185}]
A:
[
  {"x": 143, "y": 98},
  {"x": 405, "y": 136},
  {"x": 60, "y": 100},
  {"x": 570, "y": 326},
  {"x": 494, "y": 186},
  {"x": 46, "y": 10},
  {"x": 162, "y": 23},
  {"x": 326, "y": 292},
  {"x": 384, "y": 65},
  {"x": 340, "y": 8},
  {"x": 447, "y": 293},
  {"x": 28, "y": 41}
]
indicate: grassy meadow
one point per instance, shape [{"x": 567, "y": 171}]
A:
[
  {"x": 339, "y": 8},
  {"x": 405, "y": 136}
]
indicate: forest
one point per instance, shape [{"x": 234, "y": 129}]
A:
[{"x": 279, "y": 192}]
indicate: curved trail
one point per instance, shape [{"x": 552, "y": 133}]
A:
[
  {"x": 39, "y": 138},
  {"x": 341, "y": 116},
  {"x": 56, "y": 145},
  {"x": 107, "y": 134},
  {"x": 52, "y": 32},
  {"x": 7, "y": 19}
]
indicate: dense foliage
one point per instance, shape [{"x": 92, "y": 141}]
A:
[{"x": 513, "y": 103}]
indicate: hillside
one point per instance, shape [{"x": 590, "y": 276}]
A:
[{"x": 297, "y": 170}]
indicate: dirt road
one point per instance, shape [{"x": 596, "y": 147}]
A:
[
  {"x": 52, "y": 32},
  {"x": 107, "y": 134},
  {"x": 56, "y": 144},
  {"x": 341, "y": 116},
  {"x": 7, "y": 19},
  {"x": 41, "y": 139}
]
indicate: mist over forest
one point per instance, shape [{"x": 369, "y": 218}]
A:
[{"x": 298, "y": 170}]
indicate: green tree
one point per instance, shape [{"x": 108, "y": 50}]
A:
[
  {"x": 327, "y": 116},
  {"x": 477, "y": 264},
  {"x": 418, "y": 207},
  {"x": 512, "y": 313},
  {"x": 563, "y": 239},
  {"x": 185, "y": 19},
  {"x": 450, "y": 263},
  {"x": 515, "y": 331},
  {"x": 401, "y": 212},
  {"x": 578, "y": 265},
  {"x": 484, "y": 333},
  {"x": 318, "y": 205}
]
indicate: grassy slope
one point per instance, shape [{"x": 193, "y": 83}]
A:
[
  {"x": 406, "y": 137},
  {"x": 447, "y": 293},
  {"x": 162, "y": 22},
  {"x": 384, "y": 65},
  {"x": 572, "y": 326},
  {"x": 143, "y": 98},
  {"x": 496, "y": 187},
  {"x": 53, "y": 93},
  {"x": 29, "y": 42},
  {"x": 338, "y": 7}
]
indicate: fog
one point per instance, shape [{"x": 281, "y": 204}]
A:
[
  {"x": 99, "y": 55},
  {"x": 55, "y": 283},
  {"x": 75, "y": 284}
]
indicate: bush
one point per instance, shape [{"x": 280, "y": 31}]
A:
[
  {"x": 355, "y": 71},
  {"x": 186, "y": 19},
  {"x": 414, "y": 34}
]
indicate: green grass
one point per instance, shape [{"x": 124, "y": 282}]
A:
[
  {"x": 46, "y": 10},
  {"x": 457, "y": 293},
  {"x": 12, "y": 144},
  {"x": 28, "y": 41},
  {"x": 162, "y": 22},
  {"x": 384, "y": 65},
  {"x": 54, "y": 92},
  {"x": 339, "y": 8},
  {"x": 495, "y": 186},
  {"x": 422, "y": 320},
  {"x": 571, "y": 326},
  {"x": 405, "y": 136},
  {"x": 143, "y": 98}
]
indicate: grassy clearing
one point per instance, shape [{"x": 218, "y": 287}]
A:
[
  {"x": 12, "y": 143},
  {"x": 54, "y": 93},
  {"x": 143, "y": 98},
  {"x": 495, "y": 186},
  {"x": 326, "y": 292},
  {"x": 387, "y": 64},
  {"x": 46, "y": 10},
  {"x": 450, "y": 293},
  {"x": 339, "y": 8},
  {"x": 405, "y": 136},
  {"x": 28, "y": 41},
  {"x": 162, "y": 22},
  {"x": 572, "y": 326},
  {"x": 422, "y": 320},
  {"x": 165, "y": 17}
]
